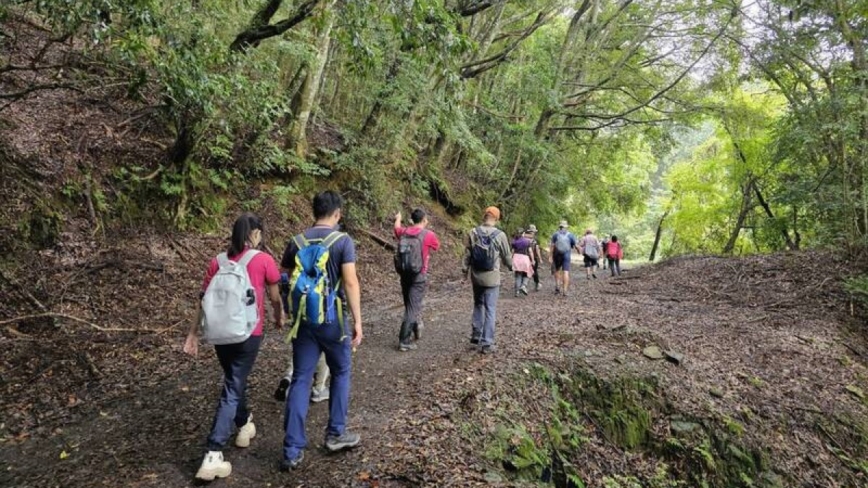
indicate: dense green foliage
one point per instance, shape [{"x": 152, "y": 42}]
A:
[{"x": 734, "y": 126}]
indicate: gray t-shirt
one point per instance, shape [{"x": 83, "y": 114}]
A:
[{"x": 590, "y": 246}]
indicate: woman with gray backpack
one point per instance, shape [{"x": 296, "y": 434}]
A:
[{"x": 231, "y": 318}]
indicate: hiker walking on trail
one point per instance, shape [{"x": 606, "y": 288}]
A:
[
  {"x": 412, "y": 259},
  {"x": 322, "y": 261},
  {"x": 486, "y": 249},
  {"x": 319, "y": 392},
  {"x": 232, "y": 315},
  {"x": 591, "y": 250},
  {"x": 522, "y": 263},
  {"x": 560, "y": 253},
  {"x": 605, "y": 245},
  {"x": 615, "y": 253},
  {"x": 535, "y": 253}
]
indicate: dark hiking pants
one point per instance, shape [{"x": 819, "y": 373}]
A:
[
  {"x": 413, "y": 290},
  {"x": 484, "y": 314},
  {"x": 328, "y": 339},
  {"x": 237, "y": 361},
  {"x": 615, "y": 266}
]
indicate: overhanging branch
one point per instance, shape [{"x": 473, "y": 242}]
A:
[{"x": 260, "y": 29}]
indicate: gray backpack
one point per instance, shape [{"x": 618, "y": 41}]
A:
[
  {"x": 562, "y": 242},
  {"x": 229, "y": 304},
  {"x": 408, "y": 256},
  {"x": 591, "y": 247}
]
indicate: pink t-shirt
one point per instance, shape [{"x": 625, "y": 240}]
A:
[
  {"x": 262, "y": 271},
  {"x": 429, "y": 243}
]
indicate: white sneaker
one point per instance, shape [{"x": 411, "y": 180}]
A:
[
  {"x": 213, "y": 466},
  {"x": 245, "y": 433},
  {"x": 319, "y": 394}
]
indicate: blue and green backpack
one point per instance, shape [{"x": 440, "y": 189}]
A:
[{"x": 314, "y": 300}]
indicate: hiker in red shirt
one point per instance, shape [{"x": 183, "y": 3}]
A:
[
  {"x": 415, "y": 244},
  {"x": 236, "y": 358},
  {"x": 614, "y": 253}
]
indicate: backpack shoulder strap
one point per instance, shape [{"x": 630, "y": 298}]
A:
[
  {"x": 248, "y": 256},
  {"x": 222, "y": 259},
  {"x": 332, "y": 238},
  {"x": 300, "y": 241}
]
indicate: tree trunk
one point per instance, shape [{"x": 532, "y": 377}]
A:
[
  {"x": 790, "y": 244},
  {"x": 742, "y": 215},
  {"x": 376, "y": 110},
  {"x": 310, "y": 87},
  {"x": 657, "y": 236}
]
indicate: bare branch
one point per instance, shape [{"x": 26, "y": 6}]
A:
[
  {"x": 260, "y": 29},
  {"x": 30, "y": 89},
  {"x": 617, "y": 122},
  {"x": 662, "y": 92},
  {"x": 475, "y": 8},
  {"x": 476, "y": 68}
]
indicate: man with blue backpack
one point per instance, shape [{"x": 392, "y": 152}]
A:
[
  {"x": 322, "y": 266},
  {"x": 412, "y": 257},
  {"x": 486, "y": 249},
  {"x": 562, "y": 244}
]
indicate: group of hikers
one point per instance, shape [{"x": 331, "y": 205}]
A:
[
  {"x": 527, "y": 256},
  {"x": 316, "y": 280}
]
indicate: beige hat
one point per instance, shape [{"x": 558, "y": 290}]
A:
[
  {"x": 563, "y": 224},
  {"x": 531, "y": 228}
]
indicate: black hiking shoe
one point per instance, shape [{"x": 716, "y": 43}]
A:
[
  {"x": 291, "y": 464},
  {"x": 474, "y": 341},
  {"x": 594, "y": 275},
  {"x": 417, "y": 330},
  {"x": 487, "y": 350},
  {"x": 347, "y": 440},
  {"x": 280, "y": 392}
]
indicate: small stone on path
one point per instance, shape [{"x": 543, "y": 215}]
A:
[
  {"x": 653, "y": 352},
  {"x": 682, "y": 427},
  {"x": 674, "y": 357}
]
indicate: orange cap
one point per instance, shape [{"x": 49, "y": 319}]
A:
[{"x": 493, "y": 211}]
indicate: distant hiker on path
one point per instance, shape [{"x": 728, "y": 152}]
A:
[
  {"x": 412, "y": 259},
  {"x": 232, "y": 316},
  {"x": 591, "y": 250},
  {"x": 560, "y": 253},
  {"x": 615, "y": 253},
  {"x": 535, "y": 253},
  {"x": 323, "y": 265},
  {"x": 522, "y": 262},
  {"x": 486, "y": 249},
  {"x": 605, "y": 245}
]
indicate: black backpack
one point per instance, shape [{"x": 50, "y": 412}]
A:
[
  {"x": 408, "y": 255},
  {"x": 483, "y": 253}
]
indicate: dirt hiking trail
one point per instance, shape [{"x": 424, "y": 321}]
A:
[{"x": 760, "y": 335}]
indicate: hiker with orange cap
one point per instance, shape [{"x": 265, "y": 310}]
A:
[{"x": 487, "y": 248}]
